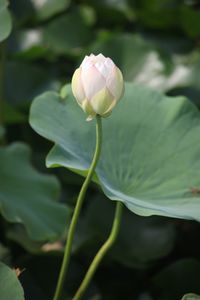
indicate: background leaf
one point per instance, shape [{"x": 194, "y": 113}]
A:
[
  {"x": 191, "y": 297},
  {"x": 145, "y": 62},
  {"x": 27, "y": 81},
  {"x": 10, "y": 287},
  {"x": 5, "y": 20},
  {"x": 67, "y": 34},
  {"x": 132, "y": 54},
  {"x": 47, "y": 9},
  {"x": 177, "y": 279},
  {"x": 157, "y": 14},
  {"x": 2, "y": 132},
  {"x": 42, "y": 216},
  {"x": 190, "y": 20}
]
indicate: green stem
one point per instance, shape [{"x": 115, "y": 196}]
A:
[
  {"x": 79, "y": 203},
  {"x": 101, "y": 253}
]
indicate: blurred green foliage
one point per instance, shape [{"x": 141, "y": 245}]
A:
[{"x": 156, "y": 43}]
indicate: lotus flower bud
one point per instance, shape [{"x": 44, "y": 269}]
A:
[{"x": 97, "y": 85}]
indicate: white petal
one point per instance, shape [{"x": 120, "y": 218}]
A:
[
  {"x": 103, "y": 69},
  {"x": 77, "y": 87},
  {"x": 85, "y": 60},
  {"x": 92, "y": 81},
  {"x": 100, "y": 57},
  {"x": 109, "y": 63},
  {"x": 115, "y": 83}
]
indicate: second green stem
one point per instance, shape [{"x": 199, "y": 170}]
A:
[
  {"x": 102, "y": 252},
  {"x": 81, "y": 197}
]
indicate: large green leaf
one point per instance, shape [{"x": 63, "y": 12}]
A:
[
  {"x": 10, "y": 287},
  {"x": 5, "y": 20},
  {"x": 150, "y": 155},
  {"x": 28, "y": 197}
]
